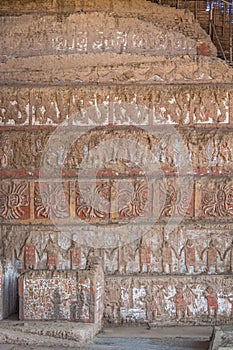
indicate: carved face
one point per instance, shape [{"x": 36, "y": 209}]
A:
[
  {"x": 229, "y": 197},
  {"x": 13, "y": 200},
  {"x": 211, "y": 244},
  {"x": 221, "y": 196},
  {"x": 210, "y": 290}
]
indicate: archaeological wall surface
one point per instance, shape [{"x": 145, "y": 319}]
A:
[
  {"x": 63, "y": 295},
  {"x": 116, "y": 142}
]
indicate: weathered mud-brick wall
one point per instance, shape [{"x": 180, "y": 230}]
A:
[
  {"x": 190, "y": 105},
  {"x": 156, "y": 211},
  {"x": 62, "y": 295},
  {"x": 175, "y": 32}
]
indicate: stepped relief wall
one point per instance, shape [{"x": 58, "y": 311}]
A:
[{"x": 114, "y": 151}]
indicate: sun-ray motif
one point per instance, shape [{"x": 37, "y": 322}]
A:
[
  {"x": 51, "y": 200},
  {"x": 137, "y": 194},
  {"x": 177, "y": 200},
  {"x": 92, "y": 201},
  {"x": 219, "y": 201},
  {"x": 13, "y": 198}
]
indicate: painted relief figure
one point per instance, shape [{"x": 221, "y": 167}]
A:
[
  {"x": 75, "y": 256},
  {"x": 212, "y": 256},
  {"x": 145, "y": 256},
  {"x": 229, "y": 252},
  {"x": 212, "y": 301},
  {"x": 167, "y": 257},
  {"x": 157, "y": 303},
  {"x": 52, "y": 255},
  {"x": 181, "y": 304},
  {"x": 190, "y": 255},
  {"x": 29, "y": 257}
]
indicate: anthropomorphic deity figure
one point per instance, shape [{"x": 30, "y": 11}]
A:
[
  {"x": 52, "y": 251},
  {"x": 167, "y": 257},
  {"x": 212, "y": 256},
  {"x": 212, "y": 301},
  {"x": 190, "y": 255},
  {"x": 75, "y": 256},
  {"x": 230, "y": 252}
]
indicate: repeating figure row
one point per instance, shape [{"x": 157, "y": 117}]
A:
[
  {"x": 121, "y": 105},
  {"x": 181, "y": 252}
]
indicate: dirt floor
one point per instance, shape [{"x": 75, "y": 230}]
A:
[
  {"x": 138, "y": 338},
  {"x": 128, "y": 344}
]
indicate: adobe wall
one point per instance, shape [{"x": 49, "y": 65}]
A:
[
  {"x": 78, "y": 36},
  {"x": 1, "y": 294},
  {"x": 158, "y": 31},
  {"x": 119, "y": 69},
  {"x": 157, "y": 213},
  {"x": 179, "y": 105}
]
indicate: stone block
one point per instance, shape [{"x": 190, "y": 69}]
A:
[{"x": 214, "y": 198}]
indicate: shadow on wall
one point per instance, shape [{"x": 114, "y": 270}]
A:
[{"x": 9, "y": 291}]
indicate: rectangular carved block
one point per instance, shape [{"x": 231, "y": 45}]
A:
[
  {"x": 214, "y": 198},
  {"x": 62, "y": 295},
  {"x": 92, "y": 200},
  {"x": 176, "y": 197},
  {"x": 52, "y": 200},
  {"x": 14, "y": 200},
  {"x": 130, "y": 200}
]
